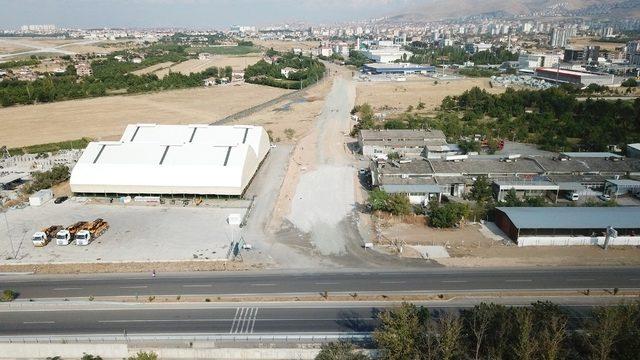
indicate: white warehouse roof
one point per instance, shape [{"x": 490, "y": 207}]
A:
[
  {"x": 173, "y": 159},
  {"x": 254, "y": 136}
]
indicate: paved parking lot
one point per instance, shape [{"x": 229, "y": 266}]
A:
[{"x": 136, "y": 233}]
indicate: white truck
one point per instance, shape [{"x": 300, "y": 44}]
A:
[
  {"x": 91, "y": 231},
  {"x": 64, "y": 237},
  {"x": 42, "y": 238}
]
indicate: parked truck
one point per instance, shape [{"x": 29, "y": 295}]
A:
[
  {"x": 91, "y": 231},
  {"x": 42, "y": 238},
  {"x": 64, "y": 237}
]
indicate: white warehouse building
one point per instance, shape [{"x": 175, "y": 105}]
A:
[{"x": 173, "y": 159}]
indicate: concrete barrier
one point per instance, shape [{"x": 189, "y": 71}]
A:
[{"x": 65, "y": 351}]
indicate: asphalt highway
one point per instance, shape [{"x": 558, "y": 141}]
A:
[
  {"x": 294, "y": 283},
  {"x": 235, "y": 321}
]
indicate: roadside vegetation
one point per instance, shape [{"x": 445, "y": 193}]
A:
[
  {"x": 307, "y": 71},
  {"x": 8, "y": 295},
  {"x": 543, "y": 330}
]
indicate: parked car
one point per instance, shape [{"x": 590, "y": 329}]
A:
[
  {"x": 604, "y": 197},
  {"x": 60, "y": 199}
]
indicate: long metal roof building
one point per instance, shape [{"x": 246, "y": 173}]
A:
[
  {"x": 624, "y": 217},
  {"x": 172, "y": 159}
]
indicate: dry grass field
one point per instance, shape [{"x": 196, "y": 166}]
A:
[
  {"x": 106, "y": 117},
  {"x": 281, "y": 45},
  {"x": 398, "y": 96},
  {"x": 153, "y": 68},
  {"x": 580, "y": 42},
  {"x": 238, "y": 63}
]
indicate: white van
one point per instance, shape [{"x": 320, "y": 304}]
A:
[{"x": 572, "y": 196}]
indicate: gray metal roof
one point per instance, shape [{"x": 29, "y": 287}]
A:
[
  {"x": 622, "y": 217},
  {"x": 397, "y": 188},
  {"x": 624, "y": 182}
]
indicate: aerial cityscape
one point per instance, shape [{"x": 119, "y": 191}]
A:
[{"x": 353, "y": 180}]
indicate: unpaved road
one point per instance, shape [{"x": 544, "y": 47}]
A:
[{"x": 324, "y": 196}]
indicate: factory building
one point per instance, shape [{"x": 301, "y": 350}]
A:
[
  {"x": 573, "y": 77},
  {"x": 543, "y": 226},
  {"x": 410, "y": 143},
  {"x": 397, "y": 68},
  {"x": 172, "y": 160}
]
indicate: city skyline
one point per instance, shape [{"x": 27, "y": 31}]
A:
[{"x": 190, "y": 13}]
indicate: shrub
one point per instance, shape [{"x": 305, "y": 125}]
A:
[
  {"x": 8, "y": 295},
  {"x": 448, "y": 215},
  {"x": 45, "y": 180}
]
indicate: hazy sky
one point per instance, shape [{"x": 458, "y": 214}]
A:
[{"x": 188, "y": 13}]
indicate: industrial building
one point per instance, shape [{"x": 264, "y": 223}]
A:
[
  {"x": 573, "y": 77},
  {"x": 172, "y": 159},
  {"x": 397, "y": 68},
  {"x": 405, "y": 142},
  {"x": 549, "y": 176},
  {"x": 543, "y": 226}
]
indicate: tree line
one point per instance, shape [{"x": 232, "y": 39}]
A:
[
  {"x": 109, "y": 76},
  {"x": 542, "y": 330},
  {"x": 307, "y": 71},
  {"x": 424, "y": 53}
]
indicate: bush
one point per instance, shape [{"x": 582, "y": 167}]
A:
[
  {"x": 8, "y": 296},
  {"x": 339, "y": 351},
  {"x": 396, "y": 204},
  {"x": 630, "y": 82},
  {"x": 144, "y": 356},
  {"x": 448, "y": 215},
  {"x": 45, "y": 180}
]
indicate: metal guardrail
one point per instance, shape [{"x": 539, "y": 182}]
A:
[{"x": 284, "y": 338}]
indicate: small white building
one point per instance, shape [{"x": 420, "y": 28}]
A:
[{"x": 40, "y": 197}]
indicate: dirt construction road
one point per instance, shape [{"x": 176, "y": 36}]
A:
[{"x": 324, "y": 196}]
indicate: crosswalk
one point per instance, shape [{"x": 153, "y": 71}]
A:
[{"x": 244, "y": 320}]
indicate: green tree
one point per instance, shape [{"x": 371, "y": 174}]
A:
[
  {"x": 525, "y": 342},
  {"x": 511, "y": 199},
  {"x": 630, "y": 82},
  {"x": 378, "y": 199},
  {"x": 398, "y": 204},
  {"x": 448, "y": 215},
  {"x": 395, "y": 336},
  {"x": 339, "y": 351},
  {"x": 449, "y": 341},
  {"x": 481, "y": 190}
]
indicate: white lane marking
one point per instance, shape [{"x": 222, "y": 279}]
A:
[
  {"x": 454, "y": 281},
  {"x": 197, "y": 285},
  {"x": 327, "y": 283},
  {"x": 65, "y": 289},
  {"x": 38, "y": 322},
  {"x": 255, "y": 316},
  {"x": 519, "y": 280},
  {"x": 245, "y": 326},
  {"x": 133, "y": 287},
  {"x": 581, "y": 279},
  {"x": 634, "y": 279},
  {"x": 263, "y": 284},
  {"x": 392, "y": 282},
  {"x": 234, "y": 320}
]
